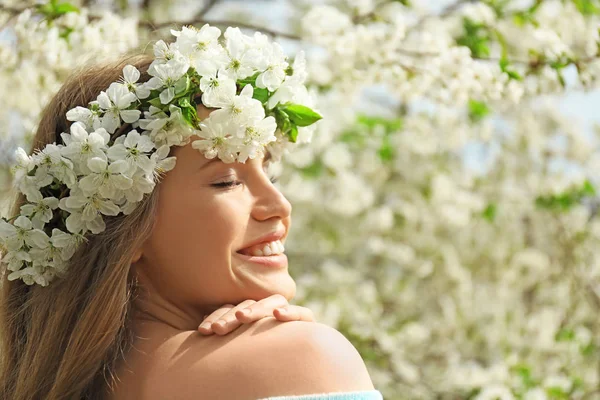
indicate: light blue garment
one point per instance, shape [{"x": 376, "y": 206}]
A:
[{"x": 357, "y": 395}]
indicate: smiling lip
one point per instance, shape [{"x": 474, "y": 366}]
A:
[
  {"x": 271, "y": 237},
  {"x": 278, "y": 261}
]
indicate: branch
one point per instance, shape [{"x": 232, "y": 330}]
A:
[
  {"x": 207, "y": 7},
  {"x": 12, "y": 10},
  {"x": 198, "y": 19},
  {"x": 270, "y": 32},
  {"x": 373, "y": 14},
  {"x": 448, "y": 10},
  {"x": 531, "y": 63}
]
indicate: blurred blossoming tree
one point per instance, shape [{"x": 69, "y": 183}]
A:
[{"x": 455, "y": 279}]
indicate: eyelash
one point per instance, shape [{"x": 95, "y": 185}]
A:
[{"x": 228, "y": 184}]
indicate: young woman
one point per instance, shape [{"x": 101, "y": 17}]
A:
[{"x": 106, "y": 304}]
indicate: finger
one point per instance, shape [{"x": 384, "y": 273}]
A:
[
  {"x": 205, "y": 326},
  {"x": 228, "y": 321},
  {"x": 294, "y": 313},
  {"x": 262, "y": 308}
]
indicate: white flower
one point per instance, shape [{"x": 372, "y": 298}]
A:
[
  {"x": 91, "y": 117},
  {"x": 242, "y": 109},
  {"x": 20, "y": 233},
  {"x": 171, "y": 130},
  {"x": 86, "y": 212},
  {"x": 115, "y": 102},
  {"x": 42, "y": 274},
  {"x": 292, "y": 89},
  {"x": 255, "y": 136},
  {"x": 134, "y": 149},
  {"x": 130, "y": 77},
  {"x": 106, "y": 179},
  {"x": 141, "y": 184},
  {"x": 535, "y": 394},
  {"x": 215, "y": 85},
  {"x": 40, "y": 210},
  {"x": 30, "y": 185},
  {"x": 14, "y": 260},
  {"x": 51, "y": 158},
  {"x": 216, "y": 140},
  {"x": 274, "y": 74},
  {"x": 164, "y": 53},
  {"x": 161, "y": 160},
  {"x": 171, "y": 77},
  {"x": 23, "y": 164},
  {"x": 199, "y": 43},
  {"x": 27, "y": 275},
  {"x": 242, "y": 61},
  {"x": 495, "y": 392},
  {"x": 81, "y": 145},
  {"x": 61, "y": 247}
]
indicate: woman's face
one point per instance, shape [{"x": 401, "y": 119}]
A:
[{"x": 191, "y": 260}]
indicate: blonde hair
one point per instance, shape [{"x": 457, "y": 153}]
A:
[{"x": 64, "y": 341}]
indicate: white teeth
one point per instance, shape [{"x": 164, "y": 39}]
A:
[{"x": 269, "y": 249}]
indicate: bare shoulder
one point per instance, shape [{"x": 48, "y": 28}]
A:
[{"x": 266, "y": 358}]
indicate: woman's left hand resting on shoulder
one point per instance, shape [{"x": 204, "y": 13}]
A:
[{"x": 229, "y": 317}]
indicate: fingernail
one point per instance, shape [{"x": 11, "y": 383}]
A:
[
  {"x": 246, "y": 312},
  {"x": 282, "y": 310},
  {"x": 220, "y": 323},
  {"x": 205, "y": 325}
]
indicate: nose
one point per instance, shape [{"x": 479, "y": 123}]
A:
[{"x": 269, "y": 201}]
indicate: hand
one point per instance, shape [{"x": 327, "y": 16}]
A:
[{"x": 229, "y": 317}]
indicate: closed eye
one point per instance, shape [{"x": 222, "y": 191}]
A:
[{"x": 236, "y": 183}]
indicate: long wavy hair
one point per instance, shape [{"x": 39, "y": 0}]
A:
[{"x": 64, "y": 341}]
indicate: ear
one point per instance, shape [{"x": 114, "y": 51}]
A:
[{"x": 136, "y": 256}]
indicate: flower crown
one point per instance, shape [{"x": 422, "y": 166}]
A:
[{"x": 261, "y": 104}]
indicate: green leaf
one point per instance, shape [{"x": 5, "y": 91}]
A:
[
  {"x": 587, "y": 7},
  {"x": 490, "y": 212},
  {"x": 249, "y": 80},
  {"x": 565, "y": 335},
  {"x": 564, "y": 201},
  {"x": 182, "y": 85},
  {"x": 588, "y": 189},
  {"x": 64, "y": 33},
  {"x": 301, "y": 115},
  {"x": 293, "y": 133},
  {"x": 556, "y": 392},
  {"x": 64, "y": 8},
  {"x": 386, "y": 151},
  {"x": 156, "y": 102},
  {"x": 476, "y": 37},
  {"x": 477, "y": 110},
  {"x": 524, "y": 372},
  {"x": 588, "y": 350},
  {"x": 53, "y": 10},
  {"x": 313, "y": 171},
  {"x": 390, "y": 125},
  {"x": 352, "y": 137},
  {"x": 261, "y": 95},
  {"x": 188, "y": 111}
]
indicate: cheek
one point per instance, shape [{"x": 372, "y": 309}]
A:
[{"x": 197, "y": 233}]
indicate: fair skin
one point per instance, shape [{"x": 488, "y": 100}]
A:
[{"x": 199, "y": 229}]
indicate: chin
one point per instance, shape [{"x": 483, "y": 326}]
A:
[{"x": 286, "y": 288}]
